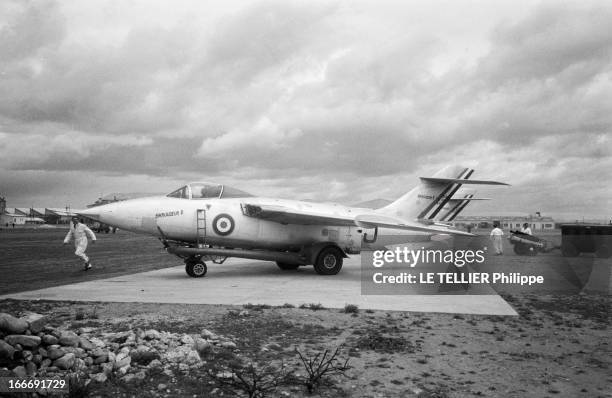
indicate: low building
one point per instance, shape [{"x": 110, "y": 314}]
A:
[
  {"x": 536, "y": 222},
  {"x": 58, "y": 215},
  {"x": 12, "y": 217}
]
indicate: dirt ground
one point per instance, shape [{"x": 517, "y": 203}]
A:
[{"x": 558, "y": 346}]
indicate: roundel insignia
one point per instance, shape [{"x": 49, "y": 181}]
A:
[{"x": 223, "y": 224}]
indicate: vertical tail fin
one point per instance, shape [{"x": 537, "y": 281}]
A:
[
  {"x": 433, "y": 198},
  {"x": 428, "y": 199},
  {"x": 456, "y": 205}
]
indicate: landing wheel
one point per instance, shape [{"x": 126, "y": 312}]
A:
[
  {"x": 520, "y": 249},
  {"x": 195, "y": 268},
  {"x": 329, "y": 261},
  {"x": 603, "y": 251},
  {"x": 287, "y": 267}
]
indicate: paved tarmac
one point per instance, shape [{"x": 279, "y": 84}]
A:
[{"x": 238, "y": 282}]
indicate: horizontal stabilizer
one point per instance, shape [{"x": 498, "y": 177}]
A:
[
  {"x": 461, "y": 181},
  {"x": 461, "y": 199},
  {"x": 376, "y": 220}
]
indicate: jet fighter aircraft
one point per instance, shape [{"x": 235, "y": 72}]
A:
[{"x": 210, "y": 222}]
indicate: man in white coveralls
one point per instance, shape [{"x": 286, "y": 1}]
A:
[
  {"x": 496, "y": 237},
  {"x": 80, "y": 232}
]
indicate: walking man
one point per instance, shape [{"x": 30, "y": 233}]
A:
[
  {"x": 79, "y": 232},
  {"x": 496, "y": 237}
]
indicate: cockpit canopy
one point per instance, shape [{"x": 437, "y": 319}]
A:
[{"x": 204, "y": 190}]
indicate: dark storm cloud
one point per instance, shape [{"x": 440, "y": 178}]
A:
[
  {"x": 305, "y": 98},
  {"x": 556, "y": 38},
  {"x": 31, "y": 27}
]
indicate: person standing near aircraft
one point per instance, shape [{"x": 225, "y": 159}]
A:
[
  {"x": 496, "y": 238},
  {"x": 79, "y": 232},
  {"x": 526, "y": 229}
]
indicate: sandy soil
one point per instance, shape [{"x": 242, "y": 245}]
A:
[{"x": 558, "y": 346}]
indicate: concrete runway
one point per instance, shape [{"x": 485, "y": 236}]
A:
[{"x": 238, "y": 282}]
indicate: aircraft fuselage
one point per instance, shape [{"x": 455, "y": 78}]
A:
[{"x": 222, "y": 222}]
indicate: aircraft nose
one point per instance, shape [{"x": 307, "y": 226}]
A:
[{"x": 92, "y": 213}]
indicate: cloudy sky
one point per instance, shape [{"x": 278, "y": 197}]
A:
[{"x": 330, "y": 100}]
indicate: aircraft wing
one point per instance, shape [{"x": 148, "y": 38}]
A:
[
  {"x": 376, "y": 220},
  {"x": 285, "y": 215}
]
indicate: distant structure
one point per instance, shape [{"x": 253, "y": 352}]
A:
[
  {"x": 23, "y": 216},
  {"x": 10, "y": 216},
  {"x": 536, "y": 222},
  {"x": 117, "y": 197}
]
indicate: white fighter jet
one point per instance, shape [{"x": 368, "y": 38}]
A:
[{"x": 210, "y": 222}]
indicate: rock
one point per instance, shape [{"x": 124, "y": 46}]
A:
[
  {"x": 187, "y": 339},
  {"x": 182, "y": 354},
  {"x": 107, "y": 368},
  {"x": 123, "y": 370},
  {"x": 79, "y": 364},
  {"x": 86, "y": 330},
  {"x": 99, "y": 377},
  {"x": 98, "y": 352},
  {"x": 224, "y": 375},
  {"x": 143, "y": 358},
  {"x": 45, "y": 363},
  {"x": 208, "y": 335},
  {"x": 140, "y": 334},
  {"x": 69, "y": 339},
  {"x": 156, "y": 363},
  {"x": 31, "y": 368},
  {"x": 6, "y": 350},
  {"x": 36, "y": 322},
  {"x": 23, "y": 340},
  {"x": 274, "y": 347},
  {"x": 152, "y": 334},
  {"x": 78, "y": 352},
  {"x": 122, "y": 359},
  {"x": 192, "y": 358},
  {"x": 161, "y": 386},
  {"x": 101, "y": 359},
  {"x": 229, "y": 344},
  {"x": 66, "y": 362},
  {"x": 26, "y": 355},
  {"x": 55, "y": 353},
  {"x": 20, "y": 372},
  {"x": 11, "y": 325},
  {"x": 49, "y": 339},
  {"x": 86, "y": 344},
  {"x": 128, "y": 378},
  {"x": 202, "y": 346},
  {"x": 97, "y": 342},
  {"x": 49, "y": 329},
  {"x": 42, "y": 352}
]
